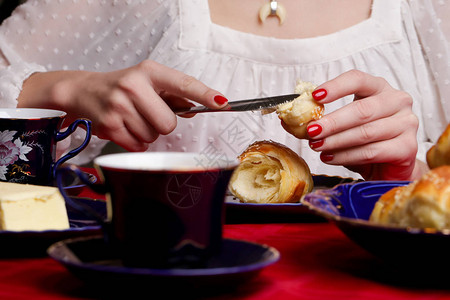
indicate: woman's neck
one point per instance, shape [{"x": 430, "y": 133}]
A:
[{"x": 304, "y": 18}]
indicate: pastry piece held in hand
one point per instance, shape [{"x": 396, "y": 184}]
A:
[
  {"x": 31, "y": 207},
  {"x": 439, "y": 154},
  {"x": 424, "y": 203},
  {"x": 298, "y": 113},
  {"x": 270, "y": 172}
]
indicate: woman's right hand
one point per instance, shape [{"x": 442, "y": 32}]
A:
[{"x": 130, "y": 107}]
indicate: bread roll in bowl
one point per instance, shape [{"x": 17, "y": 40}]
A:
[
  {"x": 439, "y": 154},
  {"x": 424, "y": 203},
  {"x": 297, "y": 113},
  {"x": 270, "y": 172}
]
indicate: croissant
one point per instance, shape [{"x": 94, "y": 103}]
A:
[
  {"x": 439, "y": 154},
  {"x": 270, "y": 172},
  {"x": 424, "y": 203},
  {"x": 297, "y": 113}
]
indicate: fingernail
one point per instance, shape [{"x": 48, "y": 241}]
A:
[
  {"x": 314, "y": 130},
  {"x": 315, "y": 143},
  {"x": 220, "y": 99},
  {"x": 326, "y": 157},
  {"x": 319, "y": 94}
]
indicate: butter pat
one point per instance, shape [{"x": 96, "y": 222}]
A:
[{"x": 31, "y": 207}]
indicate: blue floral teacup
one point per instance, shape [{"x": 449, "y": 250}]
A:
[{"x": 28, "y": 138}]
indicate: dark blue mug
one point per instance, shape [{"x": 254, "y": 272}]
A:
[
  {"x": 28, "y": 138},
  {"x": 164, "y": 210}
]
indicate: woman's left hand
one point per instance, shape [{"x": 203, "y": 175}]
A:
[{"x": 375, "y": 135}]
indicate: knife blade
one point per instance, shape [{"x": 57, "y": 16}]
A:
[{"x": 242, "y": 105}]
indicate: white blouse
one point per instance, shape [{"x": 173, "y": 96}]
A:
[{"x": 406, "y": 42}]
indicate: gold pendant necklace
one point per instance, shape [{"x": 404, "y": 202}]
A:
[{"x": 273, "y": 8}]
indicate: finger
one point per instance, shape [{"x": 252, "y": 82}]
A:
[
  {"x": 379, "y": 130},
  {"x": 384, "y": 171},
  {"x": 122, "y": 137},
  {"x": 374, "y": 153},
  {"x": 150, "y": 110},
  {"x": 141, "y": 129},
  {"x": 157, "y": 112},
  {"x": 182, "y": 85},
  {"x": 129, "y": 142},
  {"x": 352, "y": 82},
  {"x": 176, "y": 103},
  {"x": 285, "y": 127},
  {"x": 388, "y": 169},
  {"x": 144, "y": 114},
  {"x": 363, "y": 111},
  {"x": 119, "y": 113}
]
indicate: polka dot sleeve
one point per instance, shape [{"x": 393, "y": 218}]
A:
[{"x": 433, "y": 27}]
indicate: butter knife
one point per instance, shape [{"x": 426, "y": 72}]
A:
[{"x": 242, "y": 105}]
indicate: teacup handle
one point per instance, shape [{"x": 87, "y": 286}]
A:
[
  {"x": 62, "y": 135},
  {"x": 98, "y": 188}
]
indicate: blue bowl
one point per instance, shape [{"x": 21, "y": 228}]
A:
[{"x": 349, "y": 207}]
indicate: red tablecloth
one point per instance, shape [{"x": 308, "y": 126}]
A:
[{"x": 317, "y": 262}]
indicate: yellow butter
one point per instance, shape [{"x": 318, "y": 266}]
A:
[{"x": 31, "y": 207}]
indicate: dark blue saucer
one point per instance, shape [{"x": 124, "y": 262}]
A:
[
  {"x": 93, "y": 261},
  {"x": 238, "y": 212},
  {"x": 349, "y": 207}
]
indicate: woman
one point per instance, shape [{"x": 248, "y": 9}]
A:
[{"x": 124, "y": 65}]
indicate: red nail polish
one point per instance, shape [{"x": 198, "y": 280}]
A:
[
  {"x": 315, "y": 143},
  {"x": 326, "y": 157},
  {"x": 220, "y": 99},
  {"x": 319, "y": 94},
  {"x": 314, "y": 130}
]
